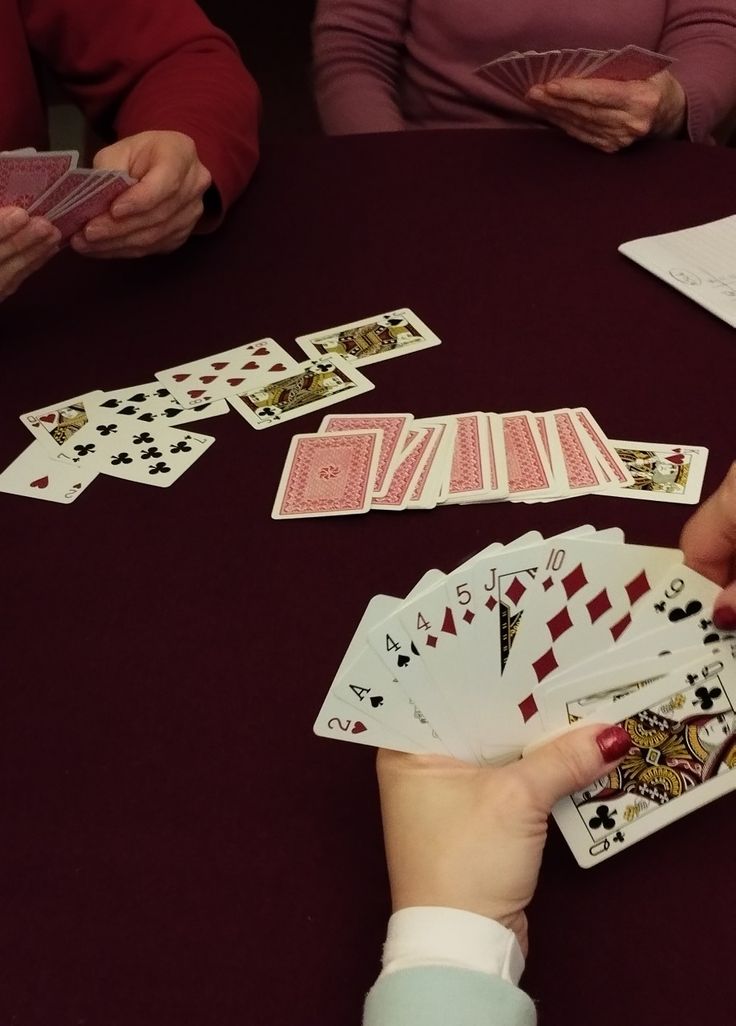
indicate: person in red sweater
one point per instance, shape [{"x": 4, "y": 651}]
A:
[{"x": 159, "y": 78}]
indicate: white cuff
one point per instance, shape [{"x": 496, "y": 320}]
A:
[{"x": 451, "y": 937}]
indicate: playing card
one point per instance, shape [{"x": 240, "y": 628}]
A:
[
  {"x": 683, "y": 748},
  {"x": 470, "y": 469},
  {"x": 37, "y": 476},
  {"x": 371, "y": 340},
  {"x": 155, "y": 456},
  {"x": 632, "y": 63},
  {"x": 309, "y": 387},
  {"x": 406, "y": 471},
  {"x": 328, "y": 475},
  {"x": 26, "y": 177},
  {"x": 430, "y": 476},
  {"x": 363, "y": 682},
  {"x": 228, "y": 374},
  {"x": 662, "y": 472},
  {"x": 59, "y": 426},
  {"x": 73, "y": 218},
  {"x": 608, "y": 458},
  {"x": 563, "y": 704},
  {"x": 394, "y": 428},
  {"x": 580, "y": 470},
  {"x": 62, "y": 190},
  {"x": 529, "y": 472},
  {"x": 338, "y": 719},
  {"x": 151, "y": 403}
]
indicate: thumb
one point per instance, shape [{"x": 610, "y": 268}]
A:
[
  {"x": 573, "y": 761},
  {"x": 724, "y": 609},
  {"x": 708, "y": 539}
]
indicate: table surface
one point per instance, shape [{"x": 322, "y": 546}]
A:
[{"x": 177, "y": 846}]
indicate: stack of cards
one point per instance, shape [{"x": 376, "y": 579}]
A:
[
  {"x": 517, "y": 72},
  {"x": 52, "y": 186},
  {"x": 392, "y": 461},
  {"x": 526, "y": 638}
]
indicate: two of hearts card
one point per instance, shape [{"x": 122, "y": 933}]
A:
[
  {"x": 528, "y": 638},
  {"x": 51, "y": 185},
  {"x": 393, "y": 461},
  {"x": 517, "y": 72}
]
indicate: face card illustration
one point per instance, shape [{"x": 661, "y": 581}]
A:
[
  {"x": 314, "y": 385},
  {"x": 683, "y": 749},
  {"x": 662, "y": 472},
  {"x": 59, "y": 426},
  {"x": 37, "y": 476},
  {"x": 371, "y": 340},
  {"x": 227, "y": 374}
]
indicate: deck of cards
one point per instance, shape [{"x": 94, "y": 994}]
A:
[
  {"x": 52, "y": 186},
  {"x": 517, "y": 72},
  {"x": 390, "y": 461},
  {"x": 530, "y": 637}
]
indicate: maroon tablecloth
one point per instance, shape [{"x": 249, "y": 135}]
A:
[{"x": 177, "y": 848}]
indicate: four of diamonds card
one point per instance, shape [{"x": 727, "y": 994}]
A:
[{"x": 530, "y": 637}]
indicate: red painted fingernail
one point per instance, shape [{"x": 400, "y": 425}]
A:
[
  {"x": 614, "y": 743},
  {"x": 725, "y": 618}
]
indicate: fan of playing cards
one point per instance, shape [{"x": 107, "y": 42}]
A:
[
  {"x": 51, "y": 185},
  {"x": 527, "y": 638},
  {"x": 517, "y": 72}
]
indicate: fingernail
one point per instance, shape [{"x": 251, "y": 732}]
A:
[
  {"x": 536, "y": 93},
  {"x": 553, "y": 87},
  {"x": 121, "y": 210},
  {"x": 92, "y": 234},
  {"x": 16, "y": 219},
  {"x": 725, "y": 618},
  {"x": 614, "y": 743}
]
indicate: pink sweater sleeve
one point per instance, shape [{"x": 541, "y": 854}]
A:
[
  {"x": 357, "y": 53},
  {"x": 704, "y": 41}
]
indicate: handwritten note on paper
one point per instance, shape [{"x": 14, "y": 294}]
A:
[{"x": 700, "y": 262}]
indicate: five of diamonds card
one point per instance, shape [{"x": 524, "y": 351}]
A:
[{"x": 483, "y": 661}]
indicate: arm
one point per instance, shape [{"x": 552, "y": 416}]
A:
[
  {"x": 357, "y": 57},
  {"x": 463, "y": 848},
  {"x": 703, "y": 39},
  {"x": 139, "y": 65}
]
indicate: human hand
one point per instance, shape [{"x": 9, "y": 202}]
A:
[
  {"x": 458, "y": 836},
  {"x": 26, "y": 243},
  {"x": 158, "y": 213},
  {"x": 611, "y": 115},
  {"x": 708, "y": 541}
]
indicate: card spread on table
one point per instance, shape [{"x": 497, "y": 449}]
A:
[
  {"x": 371, "y": 340},
  {"x": 522, "y": 638},
  {"x": 521, "y": 457},
  {"x": 36, "y": 476}
]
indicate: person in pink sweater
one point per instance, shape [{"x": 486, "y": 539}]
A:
[{"x": 388, "y": 65}]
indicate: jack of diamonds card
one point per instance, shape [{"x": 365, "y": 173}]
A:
[{"x": 683, "y": 749}]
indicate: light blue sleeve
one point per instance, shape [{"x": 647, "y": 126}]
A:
[{"x": 443, "y": 996}]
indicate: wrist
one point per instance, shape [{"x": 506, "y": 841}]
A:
[{"x": 670, "y": 118}]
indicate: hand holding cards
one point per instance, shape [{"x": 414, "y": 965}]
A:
[
  {"x": 52, "y": 186},
  {"x": 480, "y": 662}
]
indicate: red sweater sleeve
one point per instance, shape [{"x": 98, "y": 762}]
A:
[{"x": 139, "y": 65}]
